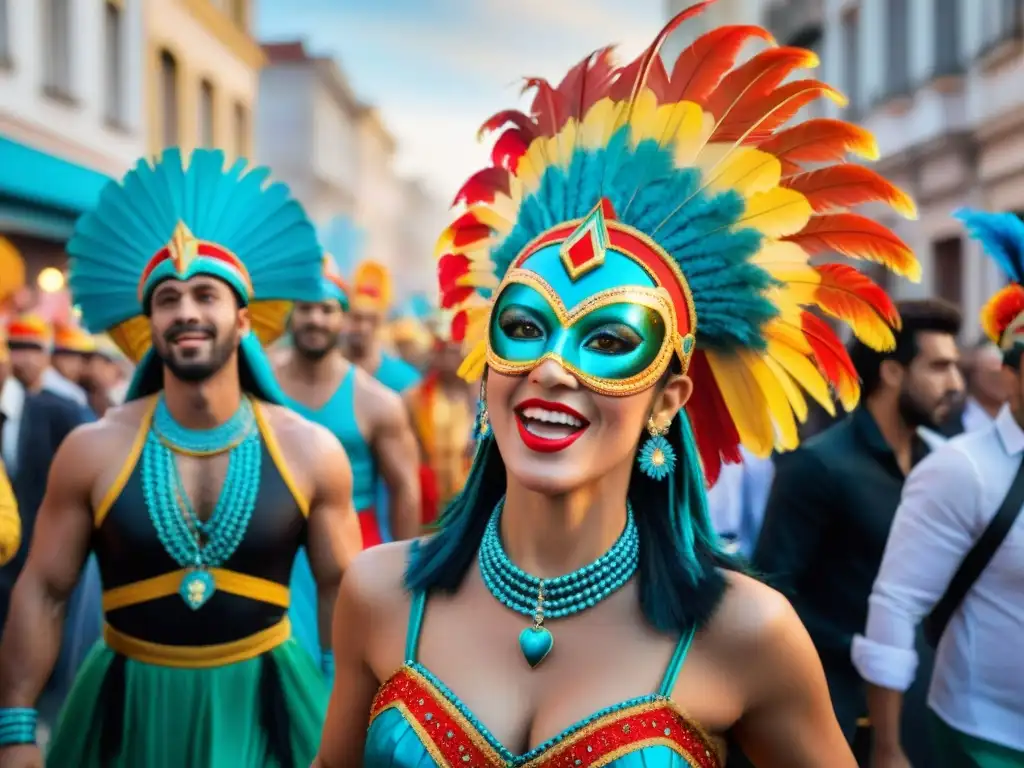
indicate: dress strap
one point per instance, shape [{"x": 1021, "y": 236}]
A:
[
  {"x": 668, "y": 682},
  {"x": 419, "y": 604}
]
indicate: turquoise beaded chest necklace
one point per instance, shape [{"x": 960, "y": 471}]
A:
[
  {"x": 198, "y": 545},
  {"x": 558, "y": 597}
]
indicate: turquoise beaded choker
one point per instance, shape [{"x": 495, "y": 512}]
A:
[
  {"x": 198, "y": 545},
  {"x": 560, "y": 596}
]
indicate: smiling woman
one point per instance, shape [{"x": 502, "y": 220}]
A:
[{"x": 631, "y": 279}]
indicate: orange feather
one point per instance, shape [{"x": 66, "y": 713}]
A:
[
  {"x": 756, "y": 78},
  {"x": 1001, "y": 310},
  {"x": 713, "y": 426},
  {"x": 700, "y": 67},
  {"x": 850, "y": 296},
  {"x": 848, "y": 185},
  {"x": 832, "y": 358},
  {"x": 820, "y": 140},
  {"x": 858, "y": 237},
  {"x": 756, "y": 121}
]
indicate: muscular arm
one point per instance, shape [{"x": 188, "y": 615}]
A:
[
  {"x": 788, "y": 721},
  {"x": 60, "y": 544},
  {"x": 398, "y": 456},
  {"x": 334, "y": 538}
]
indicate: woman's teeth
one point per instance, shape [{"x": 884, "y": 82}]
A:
[{"x": 550, "y": 425}]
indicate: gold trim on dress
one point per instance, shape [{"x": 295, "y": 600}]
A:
[
  {"x": 197, "y": 656},
  {"x": 166, "y": 584},
  {"x": 117, "y": 487},
  {"x": 277, "y": 456}
]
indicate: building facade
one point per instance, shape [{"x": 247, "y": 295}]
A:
[
  {"x": 202, "y": 71},
  {"x": 423, "y": 218},
  {"x": 71, "y": 117},
  {"x": 307, "y": 130}
]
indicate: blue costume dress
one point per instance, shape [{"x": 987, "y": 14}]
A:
[
  {"x": 337, "y": 415},
  {"x": 417, "y": 722}
]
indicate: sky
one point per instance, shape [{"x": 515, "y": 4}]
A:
[{"x": 436, "y": 69}]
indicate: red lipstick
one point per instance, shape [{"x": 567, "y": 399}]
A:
[{"x": 547, "y": 444}]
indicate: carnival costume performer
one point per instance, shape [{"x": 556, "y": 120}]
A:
[
  {"x": 194, "y": 495},
  {"x": 643, "y": 236},
  {"x": 371, "y": 301},
  {"x": 370, "y": 422}
]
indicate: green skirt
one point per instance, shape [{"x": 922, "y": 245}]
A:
[
  {"x": 192, "y": 718},
  {"x": 959, "y": 750}
]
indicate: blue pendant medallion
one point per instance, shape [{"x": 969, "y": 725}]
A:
[
  {"x": 536, "y": 643},
  {"x": 197, "y": 588}
]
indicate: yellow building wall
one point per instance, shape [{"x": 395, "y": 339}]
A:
[{"x": 209, "y": 44}]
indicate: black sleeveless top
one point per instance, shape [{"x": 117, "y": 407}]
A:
[{"x": 129, "y": 551}]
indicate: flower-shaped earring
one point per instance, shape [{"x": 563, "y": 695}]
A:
[{"x": 657, "y": 457}]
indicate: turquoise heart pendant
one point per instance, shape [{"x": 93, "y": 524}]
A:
[
  {"x": 196, "y": 588},
  {"x": 536, "y": 643}
]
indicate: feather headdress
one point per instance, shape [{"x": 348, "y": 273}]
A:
[
  {"x": 1002, "y": 237},
  {"x": 709, "y": 192},
  {"x": 177, "y": 219},
  {"x": 371, "y": 287},
  {"x": 333, "y": 285}
]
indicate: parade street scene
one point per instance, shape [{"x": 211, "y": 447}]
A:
[{"x": 511, "y": 384}]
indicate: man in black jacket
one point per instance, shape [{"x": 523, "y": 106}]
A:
[{"x": 833, "y": 500}]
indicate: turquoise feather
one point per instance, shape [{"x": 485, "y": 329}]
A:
[
  {"x": 1001, "y": 236},
  {"x": 239, "y": 210}
]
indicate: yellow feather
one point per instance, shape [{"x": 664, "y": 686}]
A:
[
  {"x": 777, "y": 213},
  {"x": 691, "y": 131},
  {"x": 746, "y": 402},
  {"x": 479, "y": 278},
  {"x": 505, "y": 207},
  {"x": 786, "y": 330},
  {"x": 596, "y": 129},
  {"x": 776, "y": 252},
  {"x": 644, "y": 122},
  {"x": 797, "y": 401},
  {"x": 490, "y": 217},
  {"x": 472, "y": 367},
  {"x": 747, "y": 170},
  {"x": 803, "y": 370},
  {"x": 779, "y": 410},
  {"x": 532, "y": 165}
]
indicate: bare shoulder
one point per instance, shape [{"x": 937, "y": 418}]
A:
[
  {"x": 296, "y": 433},
  {"x": 383, "y": 405},
  {"x": 752, "y": 618},
  {"x": 376, "y": 580},
  {"x": 91, "y": 450}
]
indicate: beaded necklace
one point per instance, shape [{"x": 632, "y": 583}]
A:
[
  {"x": 194, "y": 544},
  {"x": 560, "y": 596}
]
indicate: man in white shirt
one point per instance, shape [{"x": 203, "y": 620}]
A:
[{"x": 948, "y": 501}]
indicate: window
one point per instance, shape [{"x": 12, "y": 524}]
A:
[
  {"x": 5, "y": 35},
  {"x": 947, "y": 37},
  {"x": 851, "y": 57},
  {"x": 168, "y": 99},
  {"x": 897, "y": 60},
  {"x": 1003, "y": 21},
  {"x": 206, "y": 114},
  {"x": 57, "y": 47},
  {"x": 113, "y": 69},
  {"x": 241, "y": 130},
  {"x": 947, "y": 256}
]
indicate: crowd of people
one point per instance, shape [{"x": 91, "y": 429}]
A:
[{"x": 250, "y": 511}]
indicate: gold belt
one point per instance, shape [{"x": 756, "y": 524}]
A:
[{"x": 197, "y": 656}]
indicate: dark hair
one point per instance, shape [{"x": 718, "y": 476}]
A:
[
  {"x": 919, "y": 316},
  {"x": 680, "y": 555}
]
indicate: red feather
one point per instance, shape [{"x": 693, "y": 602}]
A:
[
  {"x": 820, "y": 140},
  {"x": 758, "y": 120},
  {"x": 483, "y": 186},
  {"x": 518, "y": 119},
  {"x": 459, "y": 324},
  {"x": 450, "y": 268},
  {"x": 857, "y": 237},
  {"x": 700, "y": 67},
  {"x": 456, "y": 296},
  {"x": 747, "y": 86},
  {"x": 507, "y": 150},
  {"x": 715, "y": 432},
  {"x": 831, "y": 356},
  {"x": 847, "y": 186}
]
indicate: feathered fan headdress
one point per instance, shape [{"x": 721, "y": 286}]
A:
[
  {"x": 1002, "y": 237},
  {"x": 371, "y": 286},
  {"x": 695, "y": 163},
  {"x": 178, "y": 219}
]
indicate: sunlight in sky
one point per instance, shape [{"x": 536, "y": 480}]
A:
[{"x": 437, "y": 69}]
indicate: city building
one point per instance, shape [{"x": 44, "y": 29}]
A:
[
  {"x": 938, "y": 83},
  {"x": 423, "y": 218},
  {"x": 202, "y": 73},
  {"x": 307, "y": 129},
  {"x": 71, "y": 117}
]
